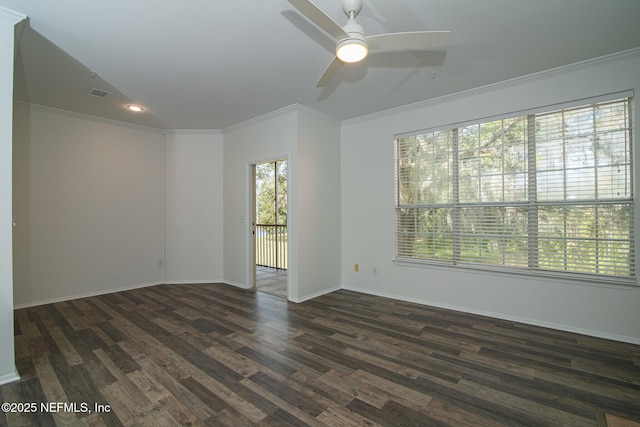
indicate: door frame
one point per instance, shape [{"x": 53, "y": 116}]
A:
[{"x": 251, "y": 219}]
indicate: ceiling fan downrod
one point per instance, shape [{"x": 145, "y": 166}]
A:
[{"x": 352, "y": 6}]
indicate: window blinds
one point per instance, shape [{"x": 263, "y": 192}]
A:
[{"x": 549, "y": 191}]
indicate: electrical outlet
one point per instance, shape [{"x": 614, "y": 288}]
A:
[
  {"x": 356, "y": 267},
  {"x": 375, "y": 270},
  {"x": 160, "y": 263}
]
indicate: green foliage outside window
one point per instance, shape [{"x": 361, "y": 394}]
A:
[{"x": 548, "y": 192}]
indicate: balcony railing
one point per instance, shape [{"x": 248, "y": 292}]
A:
[{"x": 271, "y": 246}]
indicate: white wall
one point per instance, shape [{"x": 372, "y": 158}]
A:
[
  {"x": 267, "y": 138},
  {"x": 193, "y": 221},
  {"x": 318, "y": 204},
  {"x": 310, "y": 142},
  {"x": 368, "y": 214},
  {"x": 89, "y": 206},
  {"x": 7, "y": 359}
]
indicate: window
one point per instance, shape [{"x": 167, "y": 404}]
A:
[{"x": 546, "y": 192}]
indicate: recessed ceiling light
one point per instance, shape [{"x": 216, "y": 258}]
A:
[{"x": 135, "y": 108}]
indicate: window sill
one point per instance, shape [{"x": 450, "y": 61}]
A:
[{"x": 566, "y": 278}]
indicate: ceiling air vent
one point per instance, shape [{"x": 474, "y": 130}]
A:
[{"x": 99, "y": 93}]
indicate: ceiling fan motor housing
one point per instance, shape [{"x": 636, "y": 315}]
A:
[
  {"x": 356, "y": 43},
  {"x": 355, "y": 30}
]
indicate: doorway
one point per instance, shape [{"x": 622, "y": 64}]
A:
[{"x": 270, "y": 228}]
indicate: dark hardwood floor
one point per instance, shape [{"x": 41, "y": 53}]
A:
[
  {"x": 272, "y": 281},
  {"x": 218, "y": 355}
]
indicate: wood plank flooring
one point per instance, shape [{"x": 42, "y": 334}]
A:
[
  {"x": 211, "y": 354},
  {"x": 271, "y": 281}
]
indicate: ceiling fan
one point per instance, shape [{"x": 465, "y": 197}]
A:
[{"x": 352, "y": 43}]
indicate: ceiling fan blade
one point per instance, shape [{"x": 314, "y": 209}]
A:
[
  {"x": 321, "y": 19},
  {"x": 416, "y": 40},
  {"x": 330, "y": 72}
]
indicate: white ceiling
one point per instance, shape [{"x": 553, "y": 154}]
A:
[{"x": 205, "y": 64}]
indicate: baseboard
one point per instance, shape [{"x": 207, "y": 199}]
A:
[
  {"x": 192, "y": 282},
  {"x": 125, "y": 288},
  {"x": 9, "y": 378},
  {"x": 314, "y": 295},
  {"x": 236, "y": 284},
  {"x": 86, "y": 295},
  {"x": 527, "y": 321}
]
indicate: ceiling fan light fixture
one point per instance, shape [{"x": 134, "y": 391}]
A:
[{"x": 352, "y": 50}]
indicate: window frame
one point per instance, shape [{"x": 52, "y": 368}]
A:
[{"x": 532, "y": 269}]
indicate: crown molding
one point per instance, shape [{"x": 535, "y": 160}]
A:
[
  {"x": 11, "y": 17},
  {"x": 72, "y": 114},
  {"x": 278, "y": 113},
  {"x": 318, "y": 114},
  {"x": 541, "y": 75},
  {"x": 268, "y": 116},
  {"x": 192, "y": 132}
]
